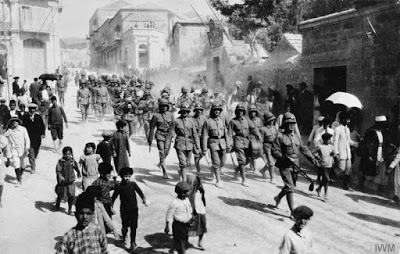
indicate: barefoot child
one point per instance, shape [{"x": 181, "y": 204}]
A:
[
  {"x": 179, "y": 216},
  {"x": 66, "y": 177},
  {"x": 325, "y": 153},
  {"x": 127, "y": 190},
  {"x": 90, "y": 162}
]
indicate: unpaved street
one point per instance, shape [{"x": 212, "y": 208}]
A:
[{"x": 240, "y": 219}]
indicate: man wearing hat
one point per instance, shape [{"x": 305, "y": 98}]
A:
[
  {"x": 376, "y": 153},
  {"x": 255, "y": 142},
  {"x": 240, "y": 129},
  {"x": 83, "y": 99},
  {"x": 61, "y": 89},
  {"x": 306, "y": 108},
  {"x": 186, "y": 141},
  {"x": 286, "y": 149},
  {"x": 102, "y": 99},
  {"x": 19, "y": 142},
  {"x": 268, "y": 134},
  {"x": 129, "y": 114},
  {"x": 36, "y": 130},
  {"x": 15, "y": 87},
  {"x": 160, "y": 123},
  {"x": 214, "y": 136},
  {"x": 56, "y": 121},
  {"x": 184, "y": 98},
  {"x": 198, "y": 119},
  {"x": 147, "y": 105}
]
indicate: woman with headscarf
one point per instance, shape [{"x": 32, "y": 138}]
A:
[{"x": 198, "y": 201}]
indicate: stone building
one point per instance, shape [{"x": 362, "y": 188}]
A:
[
  {"x": 75, "y": 52},
  {"x": 29, "y": 44},
  {"x": 135, "y": 37},
  {"x": 356, "y": 51}
]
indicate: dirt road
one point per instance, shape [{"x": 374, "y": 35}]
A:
[{"x": 240, "y": 219}]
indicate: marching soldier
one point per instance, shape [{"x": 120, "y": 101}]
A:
[
  {"x": 214, "y": 136},
  {"x": 83, "y": 99},
  {"x": 240, "y": 129},
  {"x": 162, "y": 122},
  {"x": 184, "y": 98},
  {"x": 268, "y": 134},
  {"x": 255, "y": 143},
  {"x": 198, "y": 119},
  {"x": 187, "y": 139},
  {"x": 147, "y": 105},
  {"x": 205, "y": 100},
  {"x": 93, "y": 90},
  {"x": 129, "y": 114},
  {"x": 102, "y": 99},
  {"x": 286, "y": 149}
]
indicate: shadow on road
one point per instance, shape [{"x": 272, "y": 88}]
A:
[
  {"x": 10, "y": 179},
  {"x": 157, "y": 241},
  {"x": 48, "y": 206},
  {"x": 376, "y": 219},
  {"x": 249, "y": 204},
  {"x": 373, "y": 200}
]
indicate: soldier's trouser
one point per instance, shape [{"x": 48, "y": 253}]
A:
[
  {"x": 84, "y": 111},
  {"x": 243, "y": 155},
  {"x": 184, "y": 157},
  {"x": 218, "y": 158},
  {"x": 162, "y": 151},
  {"x": 102, "y": 109},
  {"x": 289, "y": 178},
  {"x": 197, "y": 158}
]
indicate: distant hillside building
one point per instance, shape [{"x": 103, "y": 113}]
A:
[
  {"x": 75, "y": 52},
  {"x": 29, "y": 44},
  {"x": 135, "y": 37}
]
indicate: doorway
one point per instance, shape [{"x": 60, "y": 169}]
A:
[{"x": 143, "y": 56}]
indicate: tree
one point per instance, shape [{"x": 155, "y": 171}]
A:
[{"x": 262, "y": 21}]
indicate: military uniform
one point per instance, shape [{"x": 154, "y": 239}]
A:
[
  {"x": 187, "y": 140},
  {"x": 268, "y": 135},
  {"x": 93, "y": 90},
  {"x": 102, "y": 99},
  {"x": 147, "y": 106},
  {"x": 162, "y": 122},
  {"x": 184, "y": 98},
  {"x": 286, "y": 149},
  {"x": 214, "y": 136},
  {"x": 198, "y": 121},
  {"x": 83, "y": 99},
  {"x": 61, "y": 88},
  {"x": 240, "y": 129}
]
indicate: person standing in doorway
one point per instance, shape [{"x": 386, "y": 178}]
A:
[{"x": 56, "y": 121}]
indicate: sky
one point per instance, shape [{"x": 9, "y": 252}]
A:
[{"x": 74, "y": 19}]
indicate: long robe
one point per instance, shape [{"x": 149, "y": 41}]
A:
[{"x": 120, "y": 146}]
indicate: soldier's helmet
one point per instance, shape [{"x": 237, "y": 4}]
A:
[
  {"x": 198, "y": 106},
  {"x": 268, "y": 117},
  {"x": 147, "y": 86},
  {"x": 215, "y": 106},
  {"x": 204, "y": 90},
  {"x": 146, "y": 94},
  {"x": 118, "y": 81},
  {"x": 114, "y": 76},
  {"x": 163, "y": 102},
  {"x": 184, "y": 89},
  {"x": 253, "y": 108},
  {"x": 288, "y": 118},
  {"x": 240, "y": 108},
  {"x": 184, "y": 108},
  {"x": 123, "y": 80}
]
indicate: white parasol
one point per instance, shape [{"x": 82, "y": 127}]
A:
[{"x": 346, "y": 99}]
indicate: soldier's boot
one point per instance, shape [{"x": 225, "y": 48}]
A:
[
  {"x": 278, "y": 198},
  {"x": 218, "y": 177},
  {"x": 243, "y": 175},
  {"x": 289, "y": 198},
  {"x": 165, "y": 174}
]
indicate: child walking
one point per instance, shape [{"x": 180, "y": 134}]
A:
[
  {"x": 104, "y": 149},
  {"x": 105, "y": 186},
  {"x": 325, "y": 152},
  {"x": 89, "y": 162},
  {"x": 65, "y": 178},
  {"x": 127, "y": 190},
  {"x": 179, "y": 216}
]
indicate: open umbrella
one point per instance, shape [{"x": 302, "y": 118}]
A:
[
  {"x": 48, "y": 77},
  {"x": 346, "y": 99}
]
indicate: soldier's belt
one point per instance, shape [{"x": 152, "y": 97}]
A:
[{"x": 185, "y": 136}]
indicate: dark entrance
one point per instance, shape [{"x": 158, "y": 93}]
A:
[{"x": 331, "y": 80}]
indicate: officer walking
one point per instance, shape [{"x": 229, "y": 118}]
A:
[
  {"x": 214, "y": 136},
  {"x": 198, "y": 119},
  {"x": 83, "y": 99},
  {"x": 186, "y": 141},
  {"x": 240, "y": 129},
  {"x": 147, "y": 105},
  {"x": 162, "y": 122},
  {"x": 255, "y": 142},
  {"x": 286, "y": 149}
]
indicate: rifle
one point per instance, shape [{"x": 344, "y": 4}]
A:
[{"x": 301, "y": 172}]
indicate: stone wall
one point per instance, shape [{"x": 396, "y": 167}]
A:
[{"x": 369, "y": 49}]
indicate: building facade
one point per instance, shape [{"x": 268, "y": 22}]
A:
[
  {"x": 356, "y": 51},
  {"x": 29, "y": 44},
  {"x": 75, "y": 52},
  {"x": 136, "y": 37}
]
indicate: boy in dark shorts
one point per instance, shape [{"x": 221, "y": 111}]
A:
[
  {"x": 56, "y": 119},
  {"x": 129, "y": 209}
]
